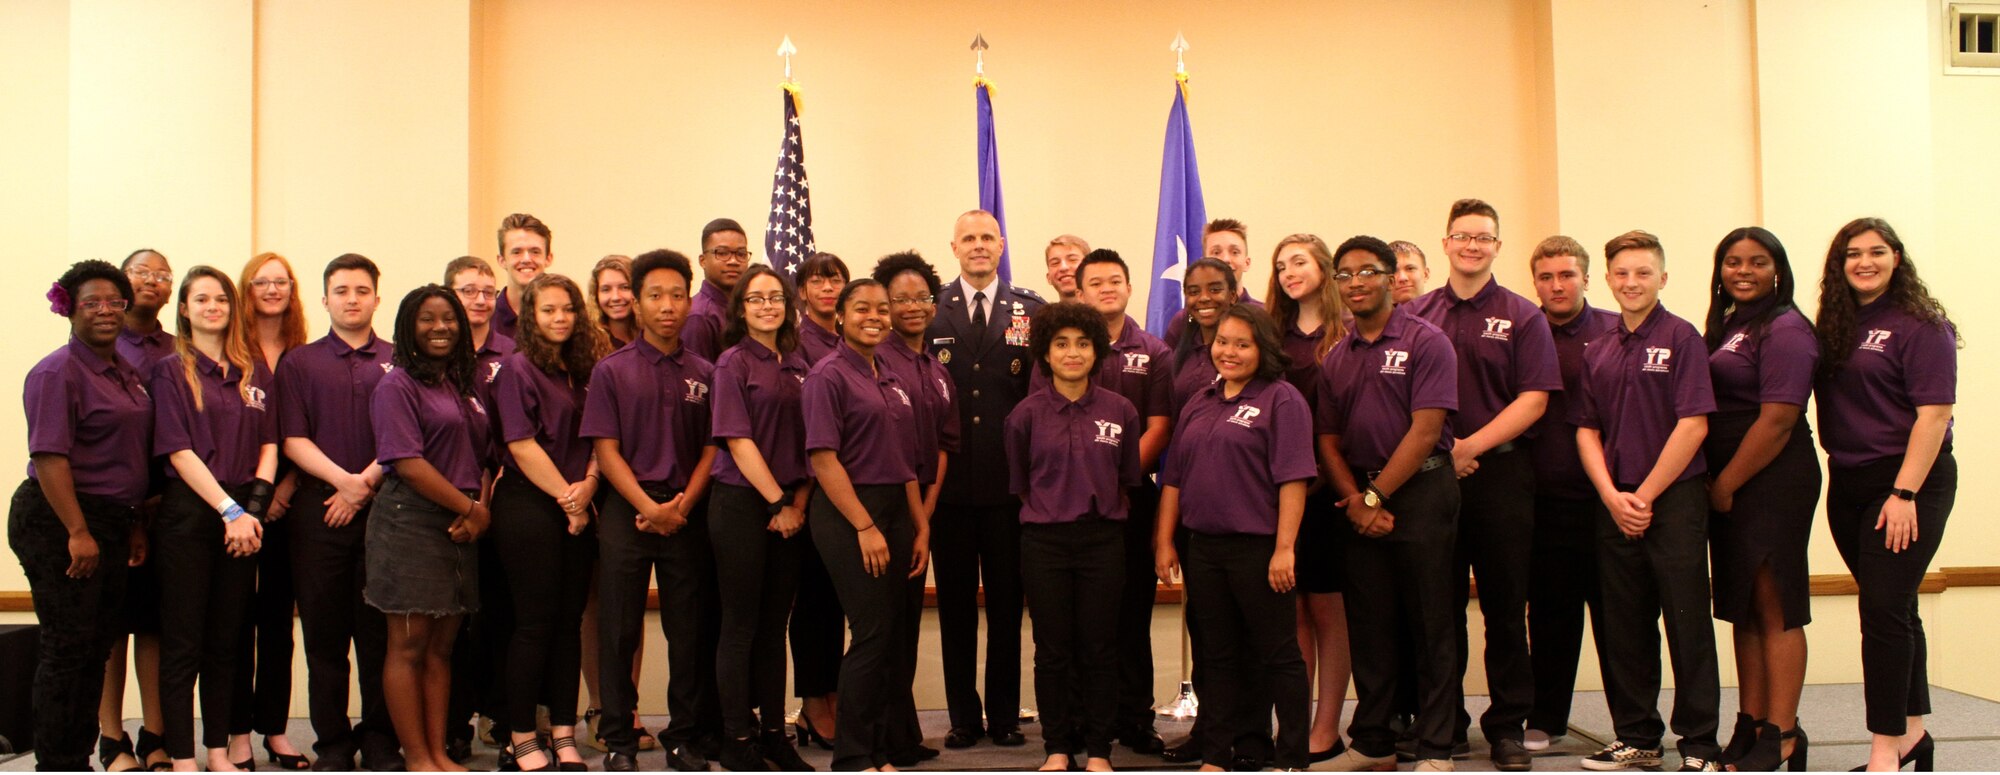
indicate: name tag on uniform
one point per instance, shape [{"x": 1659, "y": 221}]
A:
[{"x": 944, "y": 340}]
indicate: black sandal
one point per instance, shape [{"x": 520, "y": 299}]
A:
[
  {"x": 286, "y": 761},
  {"x": 569, "y": 742},
  {"x": 108, "y": 751},
  {"x": 533, "y": 745},
  {"x": 150, "y": 744}
]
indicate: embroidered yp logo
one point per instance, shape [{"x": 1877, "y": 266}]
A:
[
  {"x": 1657, "y": 357},
  {"x": 1136, "y": 363},
  {"x": 1876, "y": 340},
  {"x": 1393, "y": 361},
  {"x": 697, "y": 392},
  {"x": 1245, "y": 415},
  {"x": 1109, "y": 432},
  {"x": 1497, "y": 328}
]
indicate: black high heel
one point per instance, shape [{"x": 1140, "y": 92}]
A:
[
  {"x": 286, "y": 761},
  {"x": 533, "y": 745},
  {"x": 1769, "y": 751},
  {"x": 108, "y": 751},
  {"x": 804, "y": 727},
  {"x": 1920, "y": 754},
  {"x": 148, "y": 745},
  {"x": 1740, "y": 740},
  {"x": 567, "y": 741}
]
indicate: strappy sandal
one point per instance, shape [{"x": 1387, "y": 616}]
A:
[
  {"x": 108, "y": 751},
  {"x": 150, "y": 744},
  {"x": 567, "y": 742}
]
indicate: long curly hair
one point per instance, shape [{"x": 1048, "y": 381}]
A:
[
  {"x": 235, "y": 340},
  {"x": 456, "y": 367},
  {"x": 576, "y": 356},
  {"x": 1719, "y": 300},
  {"x": 1285, "y": 309},
  {"x": 1838, "y": 303}
]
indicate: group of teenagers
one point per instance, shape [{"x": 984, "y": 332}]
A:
[{"x": 479, "y": 506}]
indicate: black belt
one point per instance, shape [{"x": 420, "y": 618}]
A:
[
  {"x": 1509, "y": 446},
  {"x": 1431, "y": 463}
]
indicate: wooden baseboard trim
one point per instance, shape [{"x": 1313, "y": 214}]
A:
[{"x": 1826, "y": 584}]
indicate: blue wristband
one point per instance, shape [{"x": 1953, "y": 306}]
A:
[{"x": 230, "y": 511}]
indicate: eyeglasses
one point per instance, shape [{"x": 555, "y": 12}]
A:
[
  {"x": 478, "y": 294},
  {"x": 1370, "y": 273},
  {"x": 739, "y": 254},
  {"x": 149, "y": 276},
  {"x": 912, "y": 301},
  {"x": 1484, "y": 240},
  {"x": 773, "y": 300},
  {"x": 95, "y": 305},
  {"x": 263, "y": 283}
]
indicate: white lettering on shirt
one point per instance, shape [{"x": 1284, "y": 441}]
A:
[
  {"x": 1246, "y": 415},
  {"x": 1110, "y": 433},
  {"x": 1393, "y": 360},
  {"x": 1498, "y": 328},
  {"x": 1656, "y": 359},
  {"x": 1876, "y": 341}
]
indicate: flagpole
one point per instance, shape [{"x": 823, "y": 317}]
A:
[{"x": 1185, "y": 705}]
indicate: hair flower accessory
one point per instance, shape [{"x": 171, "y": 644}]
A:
[{"x": 59, "y": 301}]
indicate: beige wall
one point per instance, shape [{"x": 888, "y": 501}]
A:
[{"x": 214, "y": 128}]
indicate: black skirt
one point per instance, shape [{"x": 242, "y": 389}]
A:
[
  {"x": 1322, "y": 543},
  {"x": 1770, "y": 522}
]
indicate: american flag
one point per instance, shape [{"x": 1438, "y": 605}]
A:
[{"x": 788, "y": 236}]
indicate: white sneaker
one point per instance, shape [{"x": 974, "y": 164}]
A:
[
  {"x": 1537, "y": 740},
  {"x": 1436, "y": 765},
  {"x": 1351, "y": 760}
]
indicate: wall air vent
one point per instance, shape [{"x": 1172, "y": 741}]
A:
[{"x": 1972, "y": 37}]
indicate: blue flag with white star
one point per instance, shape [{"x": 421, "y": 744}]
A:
[
  {"x": 989, "y": 170},
  {"x": 1177, "y": 233},
  {"x": 788, "y": 235}
]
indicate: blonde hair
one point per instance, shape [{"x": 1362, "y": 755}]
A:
[{"x": 235, "y": 342}]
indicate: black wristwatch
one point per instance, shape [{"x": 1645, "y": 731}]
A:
[{"x": 1908, "y": 495}]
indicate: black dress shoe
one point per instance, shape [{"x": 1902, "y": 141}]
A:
[
  {"x": 961, "y": 737},
  {"x": 1144, "y": 739},
  {"x": 1009, "y": 738},
  {"x": 334, "y": 763},
  {"x": 778, "y": 750},
  {"x": 1187, "y": 750},
  {"x": 912, "y": 756},
  {"x": 742, "y": 756},
  {"x": 382, "y": 761},
  {"x": 1511, "y": 756},
  {"x": 620, "y": 762},
  {"x": 684, "y": 758}
]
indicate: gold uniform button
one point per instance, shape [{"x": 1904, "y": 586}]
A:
[
  {"x": 975, "y": 394},
  {"x": 975, "y": 367},
  {"x": 975, "y": 419}
]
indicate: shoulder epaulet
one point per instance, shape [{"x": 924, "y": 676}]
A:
[{"x": 1031, "y": 295}]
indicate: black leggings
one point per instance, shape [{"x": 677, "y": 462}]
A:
[
  {"x": 877, "y": 611},
  {"x": 1894, "y": 653},
  {"x": 79, "y": 619},
  {"x": 204, "y": 597},
  {"x": 548, "y": 571},
  {"x": 263, "y": 698},
  {"x": 819, "y": 626},
  {"x": 757, "y": 583}
]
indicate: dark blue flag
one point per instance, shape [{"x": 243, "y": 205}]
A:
[
  {"x": 989, "y": 169},
  {"x": 1177, "y": 234},
  {"x": 788, "y": 235}
]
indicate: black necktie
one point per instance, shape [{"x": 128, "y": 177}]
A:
[{"x": 979, "y": 312}]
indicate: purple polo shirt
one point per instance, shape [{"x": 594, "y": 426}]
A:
[
  {"x": 1303, "y": 351},
  {"x": 1774, "y": 366},
  {"x": 656, "y": 406},
  {"x": 929, "y": 385},
  {"x": 816, "y": 342},
  {"x": 433, "y": 422},
  {"x": 1558, "y": 468},
  {"x": 1194, "y": 371},
  {"x": 228, "y": 433},
  {"x": 1230, "y": 455},
  {"x": 95, "y": 412},
  {"x": 1368, "y": 389},
  {"x": 1503, "y": 345},
  {"x": 868, "y": 419},
  {"x": 506, "y": 322},
  {"x": 323, "y": 390},
  {"x": 487, "y": 368},
  {"x": 702, "y": 334},
  {"x": 1068, "y": 460},
  {"x": 759, "y": 397},
  {"x": 1636, "y": 386},
  {"x": 144, "y": 350},
  {"x": 1898, "y": 364},
  {"x": 1179, "y": 322},
  {"x": 534, "y": 404}
]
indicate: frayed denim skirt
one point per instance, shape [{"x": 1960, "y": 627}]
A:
[{"x": 413, "y": 565}]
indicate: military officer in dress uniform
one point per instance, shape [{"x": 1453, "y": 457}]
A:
[{"x": 981, "y": 336}]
